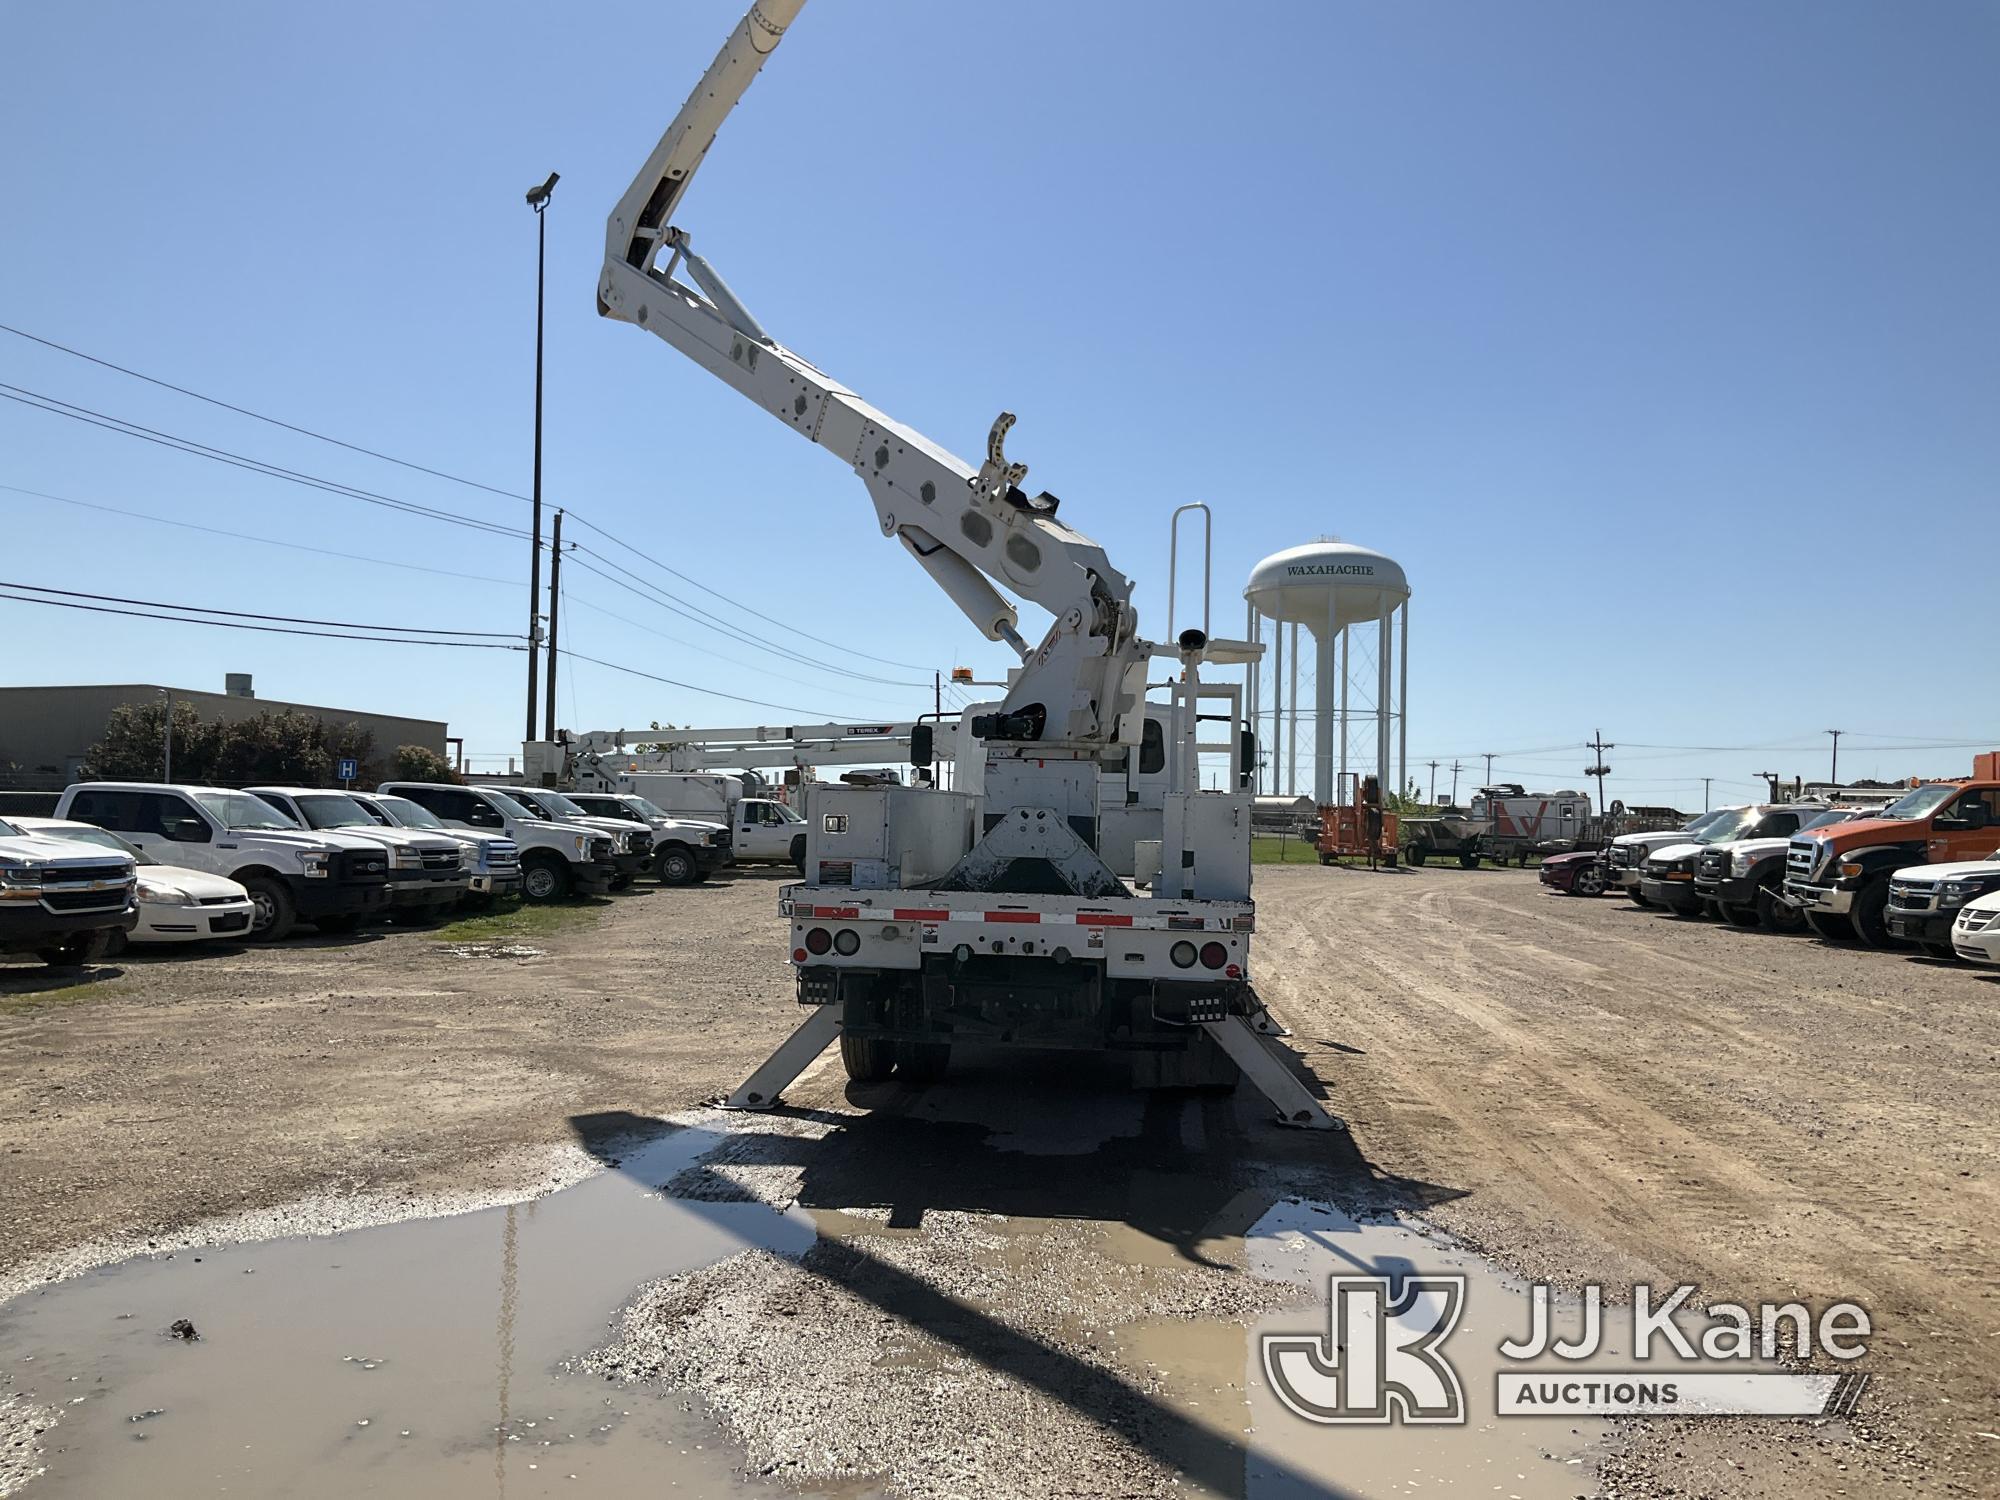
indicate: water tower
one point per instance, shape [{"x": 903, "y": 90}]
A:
[{"x": 1332, "y": 590}]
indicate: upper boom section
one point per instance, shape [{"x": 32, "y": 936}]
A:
[
  {"x": 633, "y": 233},
  {"x": 967, "y": 527}
]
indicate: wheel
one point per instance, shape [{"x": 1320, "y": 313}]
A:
[
  {"x": 868, "y": 1059},
  {"x": 1389, "y": 860},
  {"x": 1589, "y": 881},
  {"x": 1779, "y": 916},
  {"x": 1740, "y": 916},
  {"x": 545, "y": 877},
  {"x": 922, "y": 1062},
  {"x": 675, "y": 866},
  {"x": 1468, "y": 859},
  {"x": 76, "y": 951},
  {"x": 1869, "y": 914},
  {"x": 1326, "y": 859},
  {"x": 1835, "y": 929},
  {"x": 117, "y": 944},
  {"x": 1691, "y": 913},
  {"x": 345, "y": 922},
  {"x": 273, "y": 913},
  {"x": 798, "y": 853},
  {"x": 1416, "y": 854},
  {"x": 1944, "y": 951}
]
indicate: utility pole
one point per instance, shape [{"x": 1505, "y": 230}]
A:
[
  {"x": 1834, "y": 774},
  {"x": 937, "y": 693},
  {"x": 1434, "y": 783},
  {"x": 1600, "y": 770},
  {"x": 1455, "y": 769},
  {"x": 167, "y": 758},
  {"x": 1704, "y": 792},
  {"x": 1489, "y": 766},
  {"x": 538, "y": 199},
  {"x": 555, "y": 605}
]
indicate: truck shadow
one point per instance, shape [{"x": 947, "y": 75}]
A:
[{"x": 1044, "y": 1136}]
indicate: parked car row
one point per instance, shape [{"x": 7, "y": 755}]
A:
[
  {"x": 1922, "y": 872},
  {"x": 150, "y": 862}
]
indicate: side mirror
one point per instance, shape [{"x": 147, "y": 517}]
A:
[
  {"x": 1247, "y": 754},
  {"x": 1973, "y": 816},
  {"x": 187, "y": 830},
  {"x": 920, "y": 745}
]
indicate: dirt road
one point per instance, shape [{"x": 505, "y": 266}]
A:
[{"x": 1583, "y": 1090}]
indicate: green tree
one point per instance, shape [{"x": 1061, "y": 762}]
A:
[
  {"x": 276, "y": 745},
  {"x": 134, "y": 744},
  {"x": 421, "y": 763}
]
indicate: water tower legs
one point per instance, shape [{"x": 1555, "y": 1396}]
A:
[
  {"x": 1386, "y": 648},
  {"x": 1403, "y": 706}
]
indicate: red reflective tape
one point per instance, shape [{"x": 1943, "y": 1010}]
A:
[
  {"x": 1013, "y": 916},
  {"x": 837, "y": 913},
  {"x": 922, "y": 914},
  {"x": 1101, "y": 919}
]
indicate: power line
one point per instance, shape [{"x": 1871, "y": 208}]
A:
[
  {"x": 39, "y": 402},
  {"x": 268, "y": 541},
  {"x": 393, "y": 640},
  {"x": 788, "y": 708},
  {"x": 244, "y": 411},
  {"x": 241, "y": 614},
  {"x": 410, "y": 464},
  {"x": 738, "y": 604}
]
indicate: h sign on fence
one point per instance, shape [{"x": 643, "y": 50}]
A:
[{"x": 346, "y": 768}]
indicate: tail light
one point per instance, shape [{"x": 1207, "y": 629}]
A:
[
  {"x": 847, "y": 942},
  {"x": 1213, "y": 955},
  {"x": 1183, "y": 954},
  {"x": 818, "y": 940}
]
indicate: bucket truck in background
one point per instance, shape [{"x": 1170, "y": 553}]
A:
[{"x": 929, "y": 918}]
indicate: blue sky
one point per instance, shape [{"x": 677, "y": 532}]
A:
[{"x": 1658, "y": 343}]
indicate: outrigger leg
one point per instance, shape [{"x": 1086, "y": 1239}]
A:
[
  {"x": 1296, "y": 1106},
  {"x": 794, "y": 1055}
]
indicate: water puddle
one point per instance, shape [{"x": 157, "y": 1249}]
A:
[
  {"x": 492, "y": 950},
  {"x": 421, "y": 1359}
]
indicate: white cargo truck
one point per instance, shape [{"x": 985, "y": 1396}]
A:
[{"x": 930, "y": 918}]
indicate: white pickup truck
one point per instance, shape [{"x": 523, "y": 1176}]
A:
[
  {"x": 60, "y": 901},
  {"x": 330, "y": 879},
  {"x": 426, "y": 870},
  {"x": 492, "y": 861},
  {"x": 632, "y": 841},
  {"x": 760, "y": 828},
  {"x": 684, "y": 849},
  {"x": 556, "y": 858}
]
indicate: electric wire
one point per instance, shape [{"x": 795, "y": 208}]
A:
[
  {"x": 242, "y": 614},
  {"x": 392, "y": 640}
]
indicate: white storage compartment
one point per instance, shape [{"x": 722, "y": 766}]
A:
[
  {"x": 1205, "y": 853},
  {"x": 879, "y": 838}
]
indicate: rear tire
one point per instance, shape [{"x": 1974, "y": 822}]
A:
[
  {"x": 1589, "y": 881},
  {"x": 1741, "y": 916},
  {"x": 77, "y": 951},
  {"x": 868, "y": 1059},
  {"x": 1468, "y": 859},
  {"x": 1834, "y": 929},
  {"x": 675, "y": 866},
  {"x": 1638, "y": 899},
  {"x": 273, "y": 913},
  {"x": 1416, "y": 854},
  {"x": 798, "y": 853},
  {"x": 545, "y": 877}
]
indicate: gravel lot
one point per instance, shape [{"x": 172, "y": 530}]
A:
[{"x": 1583, "y": 1091}]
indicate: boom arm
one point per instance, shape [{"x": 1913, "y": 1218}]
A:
[{"x": 967, "y": 527}]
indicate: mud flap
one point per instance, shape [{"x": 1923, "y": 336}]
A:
[
  {"x": 794, "y": 1055},
  {"x": 1296, "y": 1107}
]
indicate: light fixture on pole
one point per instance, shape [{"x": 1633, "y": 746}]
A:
[{"x": 538, "y": 199}]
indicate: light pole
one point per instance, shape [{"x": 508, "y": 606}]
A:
[
  {"x": 1834, "y": 774},
  {"x": 538, "y": 199},
  {"x": 167, "y": 755},
  {"x": 1704, "y": 792}
]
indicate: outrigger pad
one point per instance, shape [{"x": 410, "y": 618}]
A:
[{"x": 1034, "y": 852}]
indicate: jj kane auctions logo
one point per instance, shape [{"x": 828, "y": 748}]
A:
[{"x": 1382, "y": 1358}]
